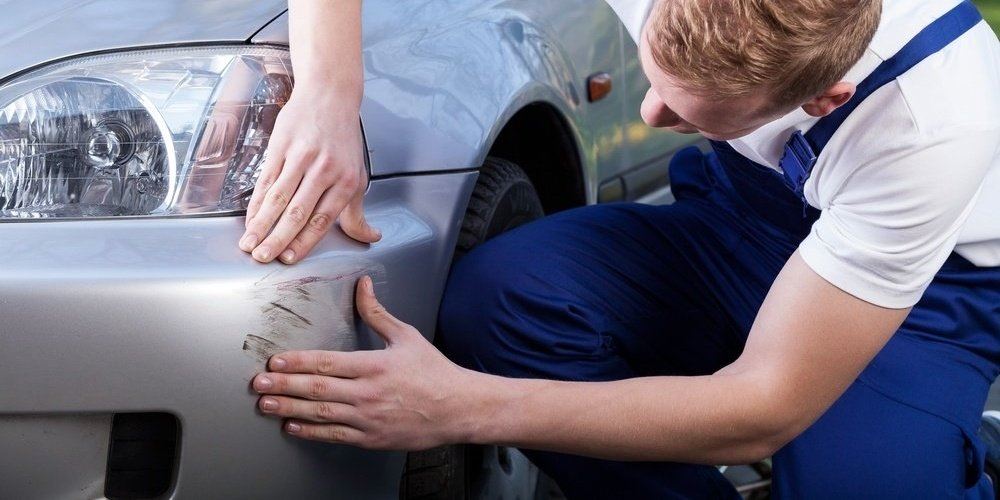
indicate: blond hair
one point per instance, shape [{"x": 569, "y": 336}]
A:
[{"x": 793, "y": 49}]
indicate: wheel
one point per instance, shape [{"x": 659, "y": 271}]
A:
[{"x": 503, "y": 199}]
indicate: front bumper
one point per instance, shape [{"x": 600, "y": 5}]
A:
[{"x": 167, "y": 315}]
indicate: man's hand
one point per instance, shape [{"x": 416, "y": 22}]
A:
[
  {"x": 315, "y": 167},
  {"x": 406, "y": 396},
  {"x": 313, "y": 174}
]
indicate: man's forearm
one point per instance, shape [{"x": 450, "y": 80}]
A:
[
  {"x": 798, "y": 360},
  {"x": 722, "y": 418},
  {"x": 325, "y": 42}
]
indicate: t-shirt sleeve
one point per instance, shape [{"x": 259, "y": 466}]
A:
[
  {"x": 888, "y": 226},
  {"x": 633, "y": 14}
]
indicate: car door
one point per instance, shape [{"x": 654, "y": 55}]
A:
[{"x": 646, "y": 151}]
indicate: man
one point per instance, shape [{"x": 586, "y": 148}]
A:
[{"x": 826, "y": 289}]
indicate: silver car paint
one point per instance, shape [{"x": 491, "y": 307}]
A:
[
  {"x": 444, "y": 82},
  {"x": 156, "y": 315},
  {"x": 33, "y": 32},
  {"x": 106, "y": 316},
  {"x": 447, "y": 75}
]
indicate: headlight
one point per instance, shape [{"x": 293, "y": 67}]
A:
[{"x": 157, "y": 132}]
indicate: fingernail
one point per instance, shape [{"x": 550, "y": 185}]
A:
[
  {"x": 248, "y": 242},
  {"x": 278, "y": 364},
  {"x": 288, "y": 256},
  {"x": 378, "y": 234},
  {"x": 369, "y": 286},
  {"x": 292, "y": 427},
  {"x": 263, "y": 383},
  {"x": 268, "y": 404},
  {"x": 262, "y": 253}
]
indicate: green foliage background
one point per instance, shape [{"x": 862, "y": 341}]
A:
[{"x": 991, "y": 10}]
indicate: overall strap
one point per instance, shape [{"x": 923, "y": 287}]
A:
[{"x": 803, "y": 149}]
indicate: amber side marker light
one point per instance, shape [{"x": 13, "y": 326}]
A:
[{"x": 598, "y": 86}]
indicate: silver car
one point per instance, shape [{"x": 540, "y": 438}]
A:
[{"x": 130, "y": 135}]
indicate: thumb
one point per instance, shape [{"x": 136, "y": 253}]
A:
[
  {"x": 354, "y": 224},
  {"x": 376, "y": 317}
]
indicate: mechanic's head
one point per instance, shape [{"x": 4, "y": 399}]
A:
[{"x": 726, "y": 67}]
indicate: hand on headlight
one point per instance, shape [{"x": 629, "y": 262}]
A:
[
  {"x": 407, "y": 396},
  {"x": 314, "y": 174}
]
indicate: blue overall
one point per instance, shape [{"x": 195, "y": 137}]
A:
[{"x": 626, "y": 290}]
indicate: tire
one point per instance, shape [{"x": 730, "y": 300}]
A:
[
  {"x": 503, "y": 199},
  {"x": 435, "y": 474}
]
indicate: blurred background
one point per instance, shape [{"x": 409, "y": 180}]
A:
[{"x": 991, "y": 9}]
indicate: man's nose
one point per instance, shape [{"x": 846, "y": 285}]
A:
[{"x": 657, "y": 114}]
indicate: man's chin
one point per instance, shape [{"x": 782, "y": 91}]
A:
[{"x": 685, "y": 129}]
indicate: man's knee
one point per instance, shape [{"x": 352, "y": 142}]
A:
[
  {"x": 537, "y": 301},
  {"x": 473, "y": 308}
]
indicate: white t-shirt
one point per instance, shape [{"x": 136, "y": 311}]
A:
[{"x": 912, "y": 175}]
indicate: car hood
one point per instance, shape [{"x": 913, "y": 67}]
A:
[{"x": 35, "y": 32}]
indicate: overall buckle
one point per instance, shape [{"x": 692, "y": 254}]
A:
[{"x": 797, "y": 163}]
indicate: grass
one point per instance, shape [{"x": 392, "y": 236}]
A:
[{"x": 991, "y": 11}]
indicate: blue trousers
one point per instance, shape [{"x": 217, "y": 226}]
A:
[{"x": 626, "y": 290}]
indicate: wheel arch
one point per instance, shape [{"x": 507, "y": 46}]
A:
[{"x": 541, "y": 140}]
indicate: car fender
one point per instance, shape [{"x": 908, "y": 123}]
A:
[{"x": 442, "y": 78}]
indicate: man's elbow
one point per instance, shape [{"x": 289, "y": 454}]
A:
[
  {"x": 774, "y": 418},
  {"x": 758, "y": 448}
]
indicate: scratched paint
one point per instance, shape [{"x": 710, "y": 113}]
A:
[{"x": 311, "y": 312}]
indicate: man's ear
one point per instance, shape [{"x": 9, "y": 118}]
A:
[{"x": 833, "y": 98}]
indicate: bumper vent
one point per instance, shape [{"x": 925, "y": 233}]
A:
[{"x": 142, "y": 458}]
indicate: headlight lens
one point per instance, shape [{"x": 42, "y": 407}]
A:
[{"x": 159, "y": 132}]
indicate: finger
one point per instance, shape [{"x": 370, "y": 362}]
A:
[
  {"x": 354, "y": 224},
  {"x": 323, "y": 412},
  {"x": 273, "y": 159},
  {"x": 291, "y": 221},
  {"x": 329, "y": 207},
  {"x": 275, "y": 201},
  {"x": 329, "y": 363},
  {"x": 375, "y": 315},
  {"x": 330, "y": 433},
  {"x": 314, "y": 387}
]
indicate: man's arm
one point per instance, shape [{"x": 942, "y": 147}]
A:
[
  {"x": 314, "y": 173},
  {"x": 808, "y": 344}
]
